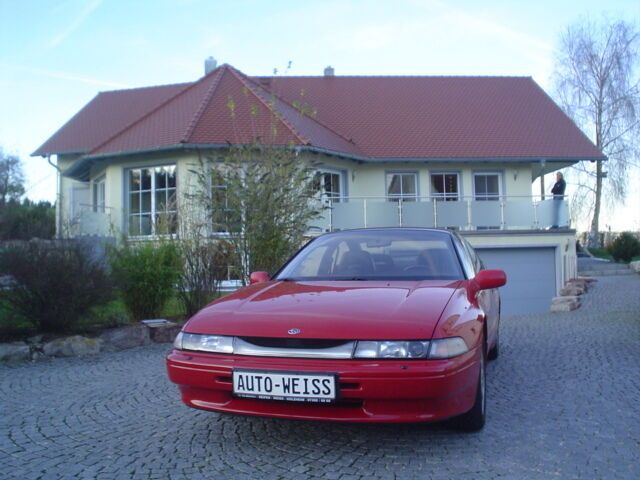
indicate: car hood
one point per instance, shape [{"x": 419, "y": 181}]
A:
[{"x": 370, "y": 310}]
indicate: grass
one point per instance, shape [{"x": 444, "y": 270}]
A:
[
  {"x": 601, "y": 253},
  {"x": 109, "y": 315}
]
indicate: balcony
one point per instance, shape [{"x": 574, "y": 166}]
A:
[
  {"x": 89, "y": 221},
  {"x": 466, "y": 213}
]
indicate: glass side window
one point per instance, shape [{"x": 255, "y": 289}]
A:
[
  {"x": 402, "y": 186},
  {"x": 486, "y": 186},
  {"x": 152, "y": 208},
  {"x": 444, "y": 186}
]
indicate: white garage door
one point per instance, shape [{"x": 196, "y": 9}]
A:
[{"x": 531, "y": 277}]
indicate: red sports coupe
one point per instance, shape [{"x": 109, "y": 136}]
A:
[{"x": 371, "y": 325}]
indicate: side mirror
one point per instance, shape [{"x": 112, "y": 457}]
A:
[
  {"x": 485, "y": 280},
  {"x": 258, "y": 277}
]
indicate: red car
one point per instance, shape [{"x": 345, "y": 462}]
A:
[{"x": 371, "y": 325}]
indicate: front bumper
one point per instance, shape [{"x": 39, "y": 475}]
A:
[{"x": 368, "y": 390}]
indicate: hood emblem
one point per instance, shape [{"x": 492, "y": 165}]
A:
[{"x": 294, "y": 331}]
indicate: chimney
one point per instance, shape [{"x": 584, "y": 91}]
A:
[
  {"x": 210, "y": 65},
  {"x": 329, "y": 71}
]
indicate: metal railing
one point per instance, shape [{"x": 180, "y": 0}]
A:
[{"x": 464, "y": 213}]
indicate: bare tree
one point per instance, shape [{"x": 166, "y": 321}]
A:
[
  {"x": 11, "y": 178},
  {"x": 597, "y": 85},
  {"x": 260, "y": 198}
]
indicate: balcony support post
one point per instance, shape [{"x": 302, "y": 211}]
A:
[
  {"x": 435, "y": 212},
  {"x": 469, "y": 224},
  {"x": 400, "y": 210},
  {"x": 330, "y": 215},
  {"x": 536, "y": 223},
  {"x": 364, "y": 209},
  {"x": 502, "y": 225}
]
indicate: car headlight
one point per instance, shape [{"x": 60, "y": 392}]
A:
[
  {"x": 447, "y": 347},
  {"x": 203, "y": 343},
  {"x": 392, "y": 349}
]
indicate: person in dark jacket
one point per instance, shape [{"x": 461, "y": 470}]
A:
[
  {"x": 558, "y": 196},
  {"x": 559, "y": 186}
]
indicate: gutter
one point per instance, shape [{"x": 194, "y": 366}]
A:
[{"x": 79, "y": 169}]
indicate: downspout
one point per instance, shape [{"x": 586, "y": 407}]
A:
[{"x": 58, "y": 197}]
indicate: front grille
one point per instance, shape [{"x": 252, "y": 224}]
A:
[{"x": 306, "y": 343}]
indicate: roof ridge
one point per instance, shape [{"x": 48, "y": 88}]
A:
[
  {"x": 250, "y": 87},
  {"x": 350, "y": 140},
  {"x": 147, "y": 115},
  {"x": 203, "y": 105}
]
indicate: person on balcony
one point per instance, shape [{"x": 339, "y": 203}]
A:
[{"x": 558, "y": 197}]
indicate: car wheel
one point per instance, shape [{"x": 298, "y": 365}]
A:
[
  {"x": 474, "y": 419},
  {"x": 495, "y": 351}
]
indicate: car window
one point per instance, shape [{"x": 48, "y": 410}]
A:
[{"x": 377, "y": 254}]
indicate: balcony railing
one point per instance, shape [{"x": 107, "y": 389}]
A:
[
  {"x": 466, "y": 213},
  {"x": 89, "y": 221}
]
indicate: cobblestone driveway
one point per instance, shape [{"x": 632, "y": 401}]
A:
[{"x": 563, "y": 403}]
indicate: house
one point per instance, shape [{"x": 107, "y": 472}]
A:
[{"x": 457, "y": 152}]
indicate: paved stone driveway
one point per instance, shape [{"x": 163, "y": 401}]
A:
[{"x": 563, "y": 403}]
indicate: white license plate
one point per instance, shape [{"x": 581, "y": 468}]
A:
[{"x": 294, "y": 387}]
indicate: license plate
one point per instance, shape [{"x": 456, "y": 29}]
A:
[{"x": 293, "y": 387}]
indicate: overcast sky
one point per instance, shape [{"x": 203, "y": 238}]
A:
[{"x": 55, "y": 56}]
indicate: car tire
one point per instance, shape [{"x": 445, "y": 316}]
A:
[
  {"x": 474, "y": 419},
  {"x": 495, "y": 350}
]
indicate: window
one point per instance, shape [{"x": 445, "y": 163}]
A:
[
  {"x": 486, "y": 186},
  {"x": 444, "y": 186},
  {"x": 223, "y": 218},
  {"x": 329, "y": 184},
  {"x": 402, "y": 186},
  {"x": 152, "y": 200},
  {"x": 99, "y": 194}
]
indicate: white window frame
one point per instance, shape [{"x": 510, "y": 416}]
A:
[
  {"x": 341, "y": 182},
  {"x": 487, "y": 197},
  {"x": 412, "y": 197},
  {"x": 445, "y": 196},
  {"x": 99, "y": 194},
  {"x": 153, "y": 212}
]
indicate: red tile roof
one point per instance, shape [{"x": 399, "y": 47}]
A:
[{"x": 368, "y": 118}]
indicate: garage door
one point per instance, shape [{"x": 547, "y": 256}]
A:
[{"x": 531, "y": 277}]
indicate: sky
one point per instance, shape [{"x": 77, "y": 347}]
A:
[{"x": 55, "y": 56}]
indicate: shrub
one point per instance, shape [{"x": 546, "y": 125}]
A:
[
  {"x": 27, "y": 220},
  {"x": 146, "y": 275},
  {"x": 53, "y": 283},
  {"x": 624, "y": 247},
  {"x": 205, "y": 266}
]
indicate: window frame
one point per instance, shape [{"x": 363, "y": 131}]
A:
[
  {"x": 152, "y": 191},
  {"x": 445, "y": 197},
  {"x": 341, "y": 184},
  {"x": 405, "y": 197},
  {"x": 488, "y": 197},
  {"x": 99, "y": 189}
]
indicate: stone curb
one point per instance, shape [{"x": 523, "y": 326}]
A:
[{"x": 111, "y": 340}]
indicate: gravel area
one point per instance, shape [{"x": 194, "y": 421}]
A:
[{"x": 563, "y": 402}]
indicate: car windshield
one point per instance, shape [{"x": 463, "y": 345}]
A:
[{"x": 376, "y": 255}]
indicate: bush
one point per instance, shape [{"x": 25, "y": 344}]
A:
[
  {"x": 53, "y": 284},
  {"x": 146, "y": 275},
  {"x": 624, "y": 247},
  {"x": 205, "y": 266},
  {"x": 27, "y": 220}
]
